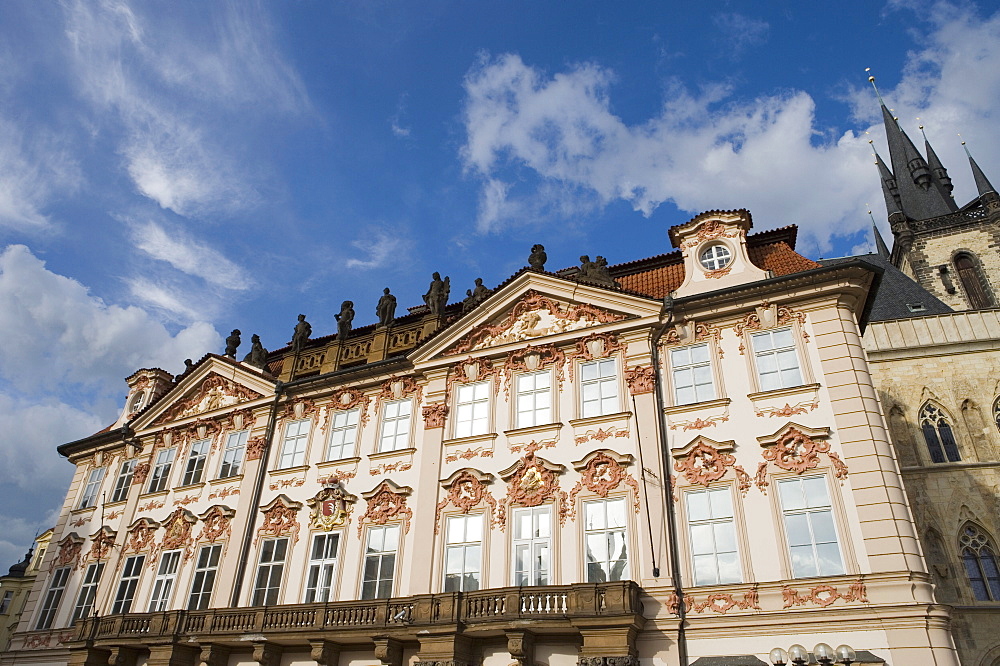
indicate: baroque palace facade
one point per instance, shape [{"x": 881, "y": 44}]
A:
[{"x": 680, "y": 459}]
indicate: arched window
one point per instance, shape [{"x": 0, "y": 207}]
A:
[
  {"x": 996, "y": 412},
  {"x": 938, "y": 434},
  {"x": 980, "y": 560},
  {"x": 976, "y": 290}
]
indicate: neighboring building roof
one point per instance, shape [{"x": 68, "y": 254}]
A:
[
  {"x": 18, "y": 570},
  {"x": 898, "y": 295}
]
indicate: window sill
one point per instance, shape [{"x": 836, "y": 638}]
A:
[
  {"x": 118, "y": 503},
  {"x": 84, "y": 509},
  {"x": 283, "y": 471},
  {"x": 381, "y": 455},
  {"x": 157, "y": 493},
  {"x": 695, "y": 406},
  {"x": 227, "y": 479},
  {"x": 339, "y": 461},
  {"x": 778, "y": 393},
  {"x": 472, "y": 439},
  {"x": 596, "y": 420},
  {"x": 190, "y": 486},
  {"x": 533, "y": 430}
]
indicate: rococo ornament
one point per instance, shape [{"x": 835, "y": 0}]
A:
[
  {"x": 466, "y": 490},
  {"x": 331, "y": 507}
]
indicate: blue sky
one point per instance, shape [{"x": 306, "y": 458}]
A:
[{"x": 171, "y": 171}]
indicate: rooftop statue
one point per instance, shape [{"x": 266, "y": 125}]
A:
[
  {"x": 258, "y": 355},
  {"x": 437, "y": 294},
  {"x": 233, "y": 343},
  {"x": 537, "y": 258},
  {"x": 303, "y": 330},
  {"x": 475, "y": 296},
  {"x": 595, "y": 272},
  {"x": 344, "y": 319},
  {"x": 386, "y": 308}
]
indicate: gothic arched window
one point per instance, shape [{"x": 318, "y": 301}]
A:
[
  {"x": 996, "y": 412},
  {"x": 969, "y": 274},
  {"x": 938, "y": 434},
  {"x": 980, "y": 562}
]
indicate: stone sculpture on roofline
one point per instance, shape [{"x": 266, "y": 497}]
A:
[
  {"x": 233, "y": 343},
  {"x": 386, "y": 309},
  {"x": 537, "y": 258},
  {"x": 344, "y": 319},
  {"x": 258, "y": 355},
  {"x": 436, "y": 297},
  {"x": 303, "y": 330}
]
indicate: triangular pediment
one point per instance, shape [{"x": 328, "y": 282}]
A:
[
  {"x": 216, "y": 385},
  {"x": 534, "y": 307}
]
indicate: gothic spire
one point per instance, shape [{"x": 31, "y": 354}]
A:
[
  {"x": 938, "y": 171},
  {"x": 880, "y": 247},
  {"x": 919, "y": 198},
  {"x": 982, "y": 182},
  {"x": 889, "y": 189}
]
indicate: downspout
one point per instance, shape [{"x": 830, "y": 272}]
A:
[
  {"x": 255, "y": 500},
  {"x": 667, "y": 318}
]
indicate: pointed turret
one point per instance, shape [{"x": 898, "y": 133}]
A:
[
  {"x": 982, "y": 182},
  {"x": 938, "y": 172},
  {"x": 919, "y": 198},
  {"x": 880, "y": 247},
  {"x": 889, "y": 189}
]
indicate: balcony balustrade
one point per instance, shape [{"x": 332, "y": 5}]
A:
[{"x": 483, "y": 609}]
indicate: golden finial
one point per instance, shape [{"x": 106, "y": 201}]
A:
[{"x": 871, "y": 79}]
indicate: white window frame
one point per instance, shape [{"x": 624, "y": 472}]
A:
[
  {"x": 270, "y": 567},
  {"x": 472, "y": 409},
  {"x": 321, "y": 576},
  {"x": 779, "y": 354},
  {"x": 813, "y": 510},
  {"x": 163, "y": 584},
  {"x": 395, "y": 428},
  {"x": 194, "y": 470},
  {"x": 298, "y": 441},
  {"x": 159, "y": 477},
  {"x": 91, "y": 488},
  {"x": 715, "y": 256},
  {"x": 8, "y": 596},
  {"x": 344, "y": 429},
  {"x": 683, "y": 375},
  {"x": 124, "y": 481},
  {"x": 705, "y": 533},
  {"x": 604, "y": 404},
  {"x": 377, "y": 552},
  {"x": 88, "y": 591},
  {"x": 205, "y": 572},
  {"x": 597, "y": 531},
  {"x": 527, "y": 413},
  {"x": 537, "y": 543},
  {"x": 50, "y": 605},
  {"x": 463, "y": 546},
  {"x": 233, "y": 453},
  {"x": 128, "y": 583}
]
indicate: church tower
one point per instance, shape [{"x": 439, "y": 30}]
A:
[{"x": 952, "y": 251}]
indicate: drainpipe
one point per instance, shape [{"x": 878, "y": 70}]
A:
[
  {"x": 255, "y": 500},
  {"x": 667, "y": 318}
]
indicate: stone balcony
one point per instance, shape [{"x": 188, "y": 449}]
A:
[{"x": 604, "y": 617}]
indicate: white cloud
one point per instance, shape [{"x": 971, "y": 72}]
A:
[
  {"x": 189, "y": 256},
  {"x": 739, "y": 31},
  {"x": 56, "y": 336},
  {"x": 382, "y": 248},
  {"x": 544, "y": 144},
  {"x": 33, "y": 168},
  {"x": 172, "y": 87}
]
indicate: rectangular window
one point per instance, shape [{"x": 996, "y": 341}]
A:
[
  {"x": 232, "y": 455},
  {"x": 161, "y": 470},
  {"x": 196, "y": 462},
  {"x": 395, "y": 425},
  {"x": 463, "y": 553},
  {"x": 809, "y": 526},
  {"x": 51, "y": 603},
  {"x": 88, "y": 591},
  {"x": 8, "y": 596},
  {"x": 90, "y": 490},
  {"x": 712, "y": 532},
  {"x": 322, "y": 567},
  {"x": 691, "y": 368},
  {"x": 380, "y": 562},
  {"x": 124, "y": 481},
  {"x": 532, "y": 545},
  {"x": 131, "y": 571},
  {"x": 776, "y": 359},
  {"x": 163, "y": 586},
  {"x": 599, "y": 387},
  {"x": 472, "y": 409},
  {"x": 270, "y": 569},
  {"x": 534, "y": 399},
  {"x": 204, "y": 577},
  {"x": 607, "y": 550},
  {"x": 343, "y": 434},
  {"x": 293, "y": 450}
]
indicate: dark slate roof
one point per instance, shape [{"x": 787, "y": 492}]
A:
[{"x": 898, "y": 296}]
